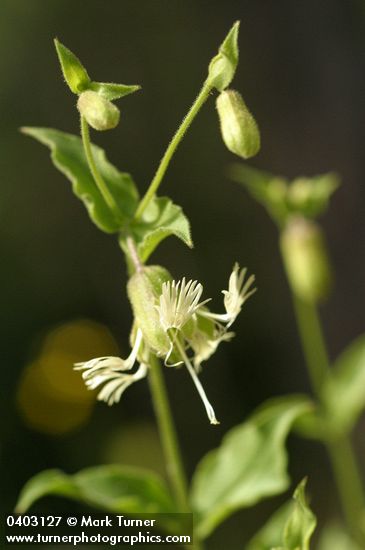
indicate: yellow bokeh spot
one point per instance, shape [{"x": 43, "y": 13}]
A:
[{"x": 52, "y": 397}]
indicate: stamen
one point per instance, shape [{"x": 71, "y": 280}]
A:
[{"x": 199, "y": 387}]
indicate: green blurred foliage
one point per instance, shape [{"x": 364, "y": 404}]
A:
[{"x": 302, "y": 72}]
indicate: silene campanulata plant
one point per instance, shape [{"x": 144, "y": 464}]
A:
[{"x": 173, "y": 326}]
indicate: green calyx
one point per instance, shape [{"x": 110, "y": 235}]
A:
[
  {"x": 144, "y": 289},
  {"x": 239, "y": 130},
  {"x": 306, "y": 259}
]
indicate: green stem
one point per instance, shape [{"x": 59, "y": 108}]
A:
[
  {"x": 344, "y": 464},
  {"x": 161, "y": 170},
  {"x": 314, "y": 348},
  {"x": 102, "y": 186},
  {"x": 168, "y": 435},
  {"x": 349, "y": 485},
  {"x": 169, "y": 441}
]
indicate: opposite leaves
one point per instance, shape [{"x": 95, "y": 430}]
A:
[
  {"x": 250, "y": 464},
  {"x": 78, "y": 80},
  {"x": 161, "y": 218}
]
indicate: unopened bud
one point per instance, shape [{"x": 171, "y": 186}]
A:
[
  {"x": 144, "y": 289},
  {"x": 239, "y": 130},
  {"x": 99, "y": 112},
  {"x": 306, "y": 260}
]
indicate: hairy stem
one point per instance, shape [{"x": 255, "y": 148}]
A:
[
  {"x": 165, "y": 161},
  {"x": 102, "y": 186},
  {"x": 344, "y": 465},
  {"x": 169, "y": 441}
]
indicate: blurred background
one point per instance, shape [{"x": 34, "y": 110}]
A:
[{"x": 302, "y": 74}]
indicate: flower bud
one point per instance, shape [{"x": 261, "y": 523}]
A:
[
  {"x": 144, "y": 288},
  {"x": 100, "y": 113},
  {"x": 239, "y": 130},
  {"x": 306, "y": 259}
]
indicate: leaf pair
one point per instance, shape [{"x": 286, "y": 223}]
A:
[
  {"x": 160, "y": 219},
  {"x": 250, "y": 465},
  {"x": 79, "y": 81},
  {"x": 307, "y": 197}
]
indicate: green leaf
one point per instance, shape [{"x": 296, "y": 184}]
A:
[
  {"x": 68, "y": 156},
  {"x": 310, "y": 196},
  {"x": 290, "y": 528},
  {"x": 223, "y": 66},
  {"x": 74, "y": 73},
  {"x": 115, "y": 488},
  {"x": 161, "y": 219},
  {"x": 344, "y": 393},
  {"x": 301, "y": 522},
  {"x": 48, "y": 482},
  {"x": 112, "y": 91},
  {"x": 334, "y": 537},
  {"x": 270, "y": 535},
  {"x": 250, "y": 464},
  {"x": 265, "y": 188}
]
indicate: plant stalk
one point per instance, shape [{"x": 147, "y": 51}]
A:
[
  {"x": 344, "y": 465},
  {"x": 102, "y": 186},
  {"x": 169, "y": 441},
  {"x": 165, "y": 161}
]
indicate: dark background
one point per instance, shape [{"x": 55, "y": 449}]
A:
[{"x": 301, "y": 72}]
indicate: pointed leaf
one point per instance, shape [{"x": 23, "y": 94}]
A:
[
  {"x": 301, "y": 522},
  {"x": 68, "y": 156},
  {"x": 290, "y": 527},
  {"x": 344, "y": 392},
  {"x": 112, "y": 91},
  {"x": 271, "y": 534},
  {"x": 265, "y": 188},
  {"x": 161, "y": 219},
  {"x": 115, "y": 488},
  {"x": 249, "y": 465},
  {"x": 223, "y": 66},
  {"x": 74, "y": 73}
]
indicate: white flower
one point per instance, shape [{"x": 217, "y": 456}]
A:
[
  {"x": 234, "y": 298},
  {"x": 237, "y": 292},
  {"x": 111, "y": 371},
  {"x": 178, "y": 303}
]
